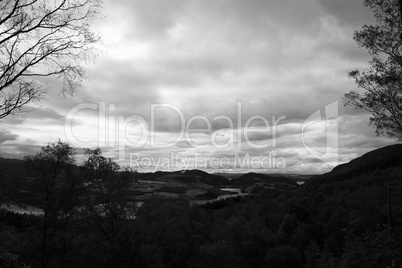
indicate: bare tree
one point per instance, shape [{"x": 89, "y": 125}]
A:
[
  {"x": 382, "y": 81},
  {"x": 41, "y": 38}
]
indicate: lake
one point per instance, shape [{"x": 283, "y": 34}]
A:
[
  {"x": 24, "y": 209},
  {"x": 235, "y": 190}
]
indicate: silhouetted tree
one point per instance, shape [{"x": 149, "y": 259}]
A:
[
  {"x": 382, "y": 80},
  {"x": 51, "y": 169},
  {"x": 108, "y": 217},
  {"x": 377, "y": 249},
  {"x": 9, "y": 260}
]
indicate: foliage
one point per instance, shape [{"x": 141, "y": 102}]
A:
[
  {"x": 381, "y": 82},
  {"x": 8, "y": 260},
  {"x": 376, "y": 249},
  {"x": 106, "y": 218},
  {"x": 52, "y": 173},
  {"x": 333, "y": 221}
]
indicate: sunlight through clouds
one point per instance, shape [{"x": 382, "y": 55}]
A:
[{"x": 278, "y": 58}]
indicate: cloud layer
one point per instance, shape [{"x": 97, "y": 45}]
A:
[{"x": 277, "y": 58}]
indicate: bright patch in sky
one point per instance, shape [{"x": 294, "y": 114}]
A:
[{"x": 278, "y": 60}]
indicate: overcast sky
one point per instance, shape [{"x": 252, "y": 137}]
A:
[{"x": 279, "y": 60}]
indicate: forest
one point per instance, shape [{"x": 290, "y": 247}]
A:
[
  {"x": 275, "y": 61},
  {"x": 339, "y": 219}
]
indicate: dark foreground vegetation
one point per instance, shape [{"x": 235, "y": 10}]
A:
[{"x": 335, "y": 220}]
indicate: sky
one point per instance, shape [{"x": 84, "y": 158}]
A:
[{"x": 222, "y": 86}]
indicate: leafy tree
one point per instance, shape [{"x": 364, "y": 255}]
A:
[
  {"x": 107, "y": 219},
  {"x": 40, "y": 38},
  {"x": 9, "y": 260},
  {"x": 52, "y": 172},
  {"x": 219, "y": 255},
  {"x": 378, "y": 249},
  {"x": 284, "y": 257},
  {"x": 3, "y": 187},
  {"x": 169, "y": 240},
  {"x": 382, "y": 80}
]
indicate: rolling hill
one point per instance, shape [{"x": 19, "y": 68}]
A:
[
  {"x": 12, "y": 167},
  {"x": 372, "y": 162},
  {"x": 255, "y": 182},
  {"x": 186, "y": 177}
]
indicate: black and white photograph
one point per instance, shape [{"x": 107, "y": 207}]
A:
[{"x": 200, "y": 133}]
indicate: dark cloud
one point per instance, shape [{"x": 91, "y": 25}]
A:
[
  {"x": 277, "y": 57},
  {"x": 7, "y": 136},
  {"x": 349, "y": 13},
  {"x": 18, "y": 151}
]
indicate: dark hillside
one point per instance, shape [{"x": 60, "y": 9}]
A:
[
  {"x": 12, "y": 167},
  {"x": 380, "y": 159},
  {"x": 250, "y": 178},
  {"x": 337, "y": 220},
  {"x": 186, "y": 176}
]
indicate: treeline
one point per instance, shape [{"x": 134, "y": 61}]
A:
[{"x": 90, "y": 221}]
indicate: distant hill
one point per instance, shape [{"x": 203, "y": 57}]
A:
[
  {"x": 198, "y": 176},
  {"x": 12, "y": 168},
  {"x": 14, "y": 184},
  {"x": 204, "y": 177},
  {"x": 377, "y": 160},
  {"x": 255, "y": 182},
  {"x": 15, "y": 169},
  {"x": 230, "y": 176},
  {"x": 186, "y": 176},
  {"x": 252, "y": 177}
]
